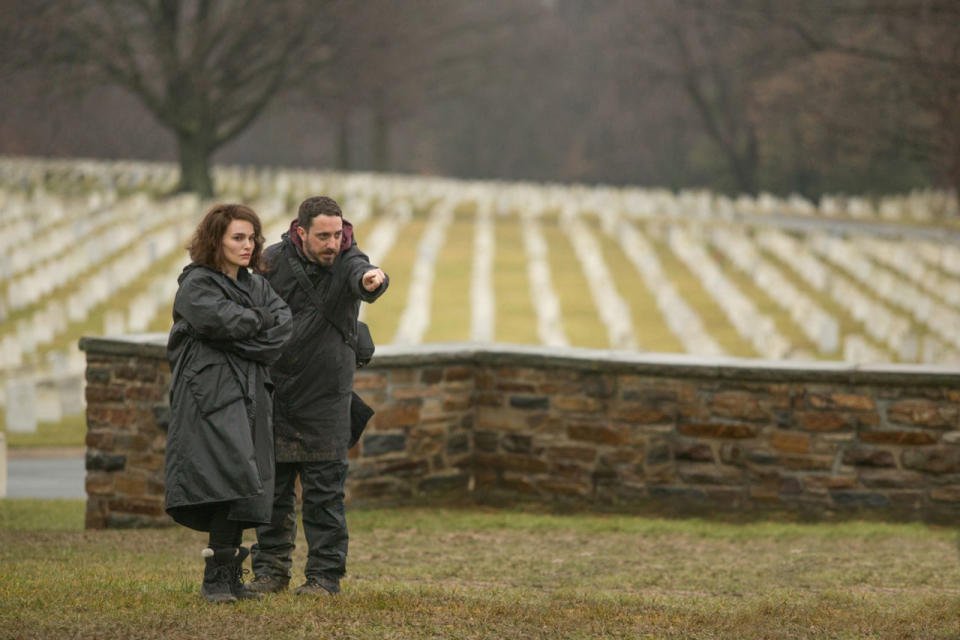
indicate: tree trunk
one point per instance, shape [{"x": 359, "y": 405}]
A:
[
  {"x": 743, "y": 158},
  {"x": 342, "y": 151},
  {"x": 195, "y": 166},
  {"x": 803, "y": 177},
  {"x": 380, "y": 143},
  {"x": 951, "y": 150}
]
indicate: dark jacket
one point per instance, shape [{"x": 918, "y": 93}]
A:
[
  {"x": 314, "y": 376},
  {"x": 225, "y": 334}
]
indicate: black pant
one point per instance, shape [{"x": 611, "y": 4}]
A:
[
  {"x": 224, "y": 533},
  {"x": 324, "y": 522}
]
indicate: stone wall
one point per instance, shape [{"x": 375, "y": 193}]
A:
[
  {"x": 607, "y": 428},
  {"x": 127, "y": 416}
]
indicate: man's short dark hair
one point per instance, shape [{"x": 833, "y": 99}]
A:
[{"x": 316, "y": 206}]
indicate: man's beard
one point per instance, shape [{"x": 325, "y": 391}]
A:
[{"x": 323, "y": 258}]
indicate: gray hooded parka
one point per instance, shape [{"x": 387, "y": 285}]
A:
[{"x": 225, "y": 335}]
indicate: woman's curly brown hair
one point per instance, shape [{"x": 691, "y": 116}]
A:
[{"x": 206, "y": 246}]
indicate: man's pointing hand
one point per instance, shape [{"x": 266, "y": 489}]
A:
[{"x": 373, "y": 279}]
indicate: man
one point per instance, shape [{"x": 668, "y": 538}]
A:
[{"x": 313, "y": 394}]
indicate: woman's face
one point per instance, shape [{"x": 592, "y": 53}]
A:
[{"x": 237, "y": 244}]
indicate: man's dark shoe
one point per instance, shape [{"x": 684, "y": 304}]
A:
[
  {"x": 268, "y": 584},
  {"x": 218, "y": 575},
  {"x": 240, "y": 590},
  {"x": 318, "y": 587}
]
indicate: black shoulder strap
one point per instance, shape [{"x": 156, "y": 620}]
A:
[
  {"x": 318, "y": 299},
  {"x": 304, "y": 281}
]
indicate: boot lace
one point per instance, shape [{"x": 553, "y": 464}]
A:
[{"x": 238, "y": 573}]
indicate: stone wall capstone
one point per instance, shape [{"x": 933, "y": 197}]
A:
[{"x": 611, "y": 428}]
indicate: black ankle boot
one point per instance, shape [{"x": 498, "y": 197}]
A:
[
  {"x": 219, "y": 574},
  {"x": 237, "y": 588}
]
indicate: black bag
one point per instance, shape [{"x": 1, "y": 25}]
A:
[
  {"x": 365, "y": 346},
  {"x": 360, "y": 414}
]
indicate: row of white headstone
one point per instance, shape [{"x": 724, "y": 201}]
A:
[
  {"x": 47, "y": 394},
  {"x": 922, "y": 264},
  {"x": 613, "y": 310},
  {"x": 682, "y": 320},
  {"x": 751, "y": 324},
  {"x": 44, "y": 235},
  {"x": 361, "y": 192},
  {"x": 250, "y": 182},
  {"x": 52, "y": 316},
  {"x": 908, "y": 260},
  {"x": 30, "y": 399},
  {"x": 149, "y": 227},
  {"x": 79, "y": 243},
  {"x": 482, "y": 299},
  {"x": 108, "y": 264},
  {"x": 33, "y": 174},
  {"x": 940, "y": 255},
  {"x": 546, "y": 304},
  {"x": 883, "y": 325},
  {"x": 820, "y": 327},
  {"x": 886, "y": 285},
  {"x": 47, "y": 241}
]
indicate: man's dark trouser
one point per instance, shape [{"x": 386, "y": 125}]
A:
[{"x": 324, "y": 522}]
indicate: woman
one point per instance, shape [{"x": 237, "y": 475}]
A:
[{"x": 228, "y": 327}]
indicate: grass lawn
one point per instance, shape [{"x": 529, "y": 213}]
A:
[
  {"x": 450, "y": 304},
  {"x": 71, "y": 431},
  {"x": 384, "y": 315},
  {"x": 483, "y": 573}
]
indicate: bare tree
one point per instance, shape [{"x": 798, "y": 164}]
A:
[
  {"x": 904, "y": 55},
  {"x": 775, "y": 94},
  {"x": 205, "y": 69},
  {"x": 715, "y": 59},
  {"x": 393, "y": 58}
]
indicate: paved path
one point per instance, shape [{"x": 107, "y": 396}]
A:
[
  {"x": 906, "y": 231},
  {"x": 36, "y": 475}
]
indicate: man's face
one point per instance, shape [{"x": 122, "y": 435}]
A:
[{"x": 321, "y": 242}]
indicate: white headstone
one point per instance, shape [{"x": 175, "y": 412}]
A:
[
  {"x": 26, "y": 336},
  {"x": 78, "y": 307},
  {"x": 70, "y": 390},
  {"x": 76, "y": 361},
  {"x": 114, "y": 323},
  {"x": 57, "y": 315},
  {"x": 57, "y": 361},
  {"x": 48, "y": 402},
  {"x": 11, "y": 354},
  {"x": 42, "y": 328},
  {"x": 21, "y": 410}
]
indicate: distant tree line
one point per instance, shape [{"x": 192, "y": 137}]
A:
[{"x": 755, "y": 95}]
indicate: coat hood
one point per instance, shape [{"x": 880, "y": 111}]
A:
[
  {"x": 242, "y": 274},
  {"x": 187, "y": 270}
]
